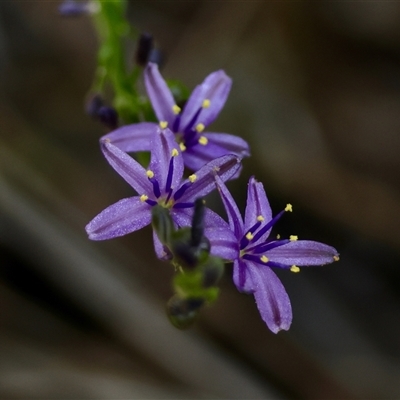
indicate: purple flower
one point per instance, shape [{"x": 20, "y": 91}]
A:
[
  {"x": 202, "y": 108},
  {"x": 257, "y": 254},
  {"x": 162, "y": 184}
]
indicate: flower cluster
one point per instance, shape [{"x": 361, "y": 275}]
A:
[{"x": 194, "y": 238}]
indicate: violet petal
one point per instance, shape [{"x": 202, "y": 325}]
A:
[
  {"x": 257, "y": 205},
  {"x": 125, "y": 216},
  {"x": 234, "y": 216},
  {"x": 162, "y": 145},
  {"x": 127, "y": 167},
  {"x": 224, "y": 167},
  {"x": 215, "y": 88},
  {"x": 302, "y": 253},
  {"x": 134, "y": 137},
  {"x": 160, "y": 96},
  {"x": 272, "y": 300},
  {"x": 241, "y": 277}
]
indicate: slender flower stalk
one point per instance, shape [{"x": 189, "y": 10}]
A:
[
  {"x": 161, "y": 184},
  {"x": 257, "y": 253},
  {"x": 188, "y": 124}
]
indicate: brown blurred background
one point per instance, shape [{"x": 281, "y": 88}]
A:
[{"x": 316, "y": 92}]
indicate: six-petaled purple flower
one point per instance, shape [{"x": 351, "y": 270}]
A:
[
  {"x": 257, "y": 253},
  {"x": 162, "y": 184},
  {"x": 188, "y": 124}
]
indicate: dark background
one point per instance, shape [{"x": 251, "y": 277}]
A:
[{"x": 316, "y": 92}]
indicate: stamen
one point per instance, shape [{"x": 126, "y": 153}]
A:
[
  {"x": 289, "y": 207},
  {"x": 203, "y": 140},
  {"x": 249, "y": 236},
  {"x": 267, "y": 246},
  {"x": 170, "y": 174},
  {"x": 149, "y": 173},
  {"x": 176, "y": 109},
  {"x": 295, "y": 268},
  {"x": 143, "y": 198},
  {"x": 278, "y": 236},
  {"x": 200, "y": 127},
  {"x": 264, "y": 259},
  {"x": 336, "y": 258},
  {"x": 206, "y": 103},
  {"x": 267, "y": 226},
  {"x": 192, "y": 178},
  {"x": 260, "y": 218},
  {"x": 293, "y": 238},
  {"x": 182, "y": 147},
  {"x": 174, "y": 152},
  {"x": 163, "y": 124},
  {"x": 183, "y": 205}
]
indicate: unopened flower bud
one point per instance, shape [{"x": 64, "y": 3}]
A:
[
  {"x": 162, "y": 223},
  {"x": 108, "y": 116},
  {"x": 144, "y": 49},
  {"x": 212, "y": 271},
  {"x": 93, "y": 105},
  {"x": 183, "y": 312}
]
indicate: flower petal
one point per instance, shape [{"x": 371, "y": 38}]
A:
[
  {"x": 257, "y": 204},
  {"x": 271, "y": 298},
  {"x": 234, "y": 216},
  {"x": 127, "y": 167},
  {"x": 162, "y": 145},
  {"x": 215, "y": 88},
  {"x": 224, "y": 167},
  {"x": 134, "y": 137},
  {"x": 241, "y": 277},
  {"x": 160, "y": 96},
  {"x": 198, "y": 155},
  {"x": 125, "y": 216},
  {"x": 161, "y": 251},
  {"x": 231, "y": 143},
  {"x": 302, "y": 253},
  {"x": 223, "y": 242}
]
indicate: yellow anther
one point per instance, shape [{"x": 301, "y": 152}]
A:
[
  {"x": 278, "y": 236},
  {"x": 260, "y": 218},
  {"x": 264, "y": 259},
  {"x": 206, "y": 103},
  {"x": 293, "y": 238},
  {"x": 176, "y": 109},
  {"x": 249, "y": 236},
  {"x": 182, "y": 146},
  {"x": 295, "y": 268},
  {"x": 288, "y": 207},
  {"x": 203, "y": 140},
  {"x": 149, "y": 173},
  {"x": 174, "y": 152},
  {"x": 163, "y": 124},
  {"x": 143, "y": 197},
  {"x": 192, "y": 178},
  {"x": 200, "y": 127},
  {"x": 336, "y": 258}
]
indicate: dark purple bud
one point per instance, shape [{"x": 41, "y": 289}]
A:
[
  {"x": 70, "y": 8},
  {"x": 93, "y": 105},
  {"x": 144, "y": 49},
  {"x": 156, "y": 57},
  {"x": 108, "y": 116}
]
